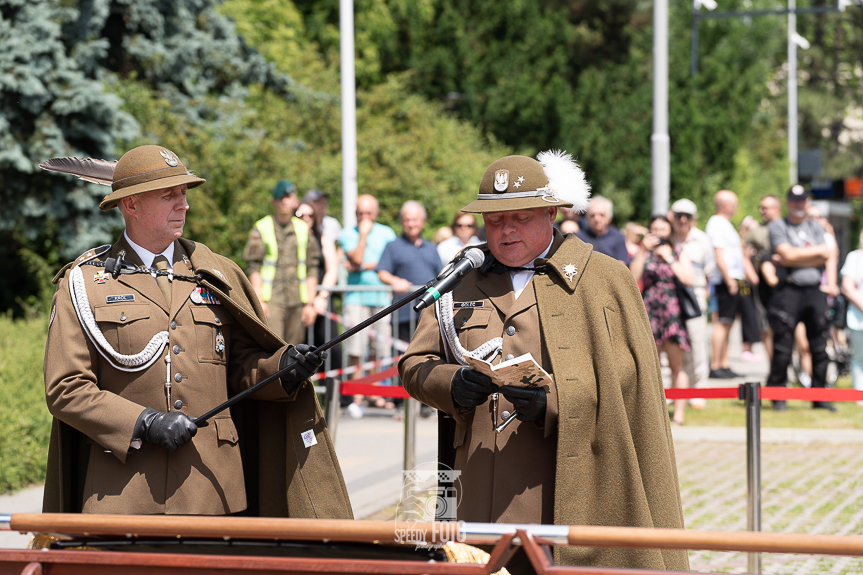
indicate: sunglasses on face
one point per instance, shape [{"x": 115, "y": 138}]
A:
[{"x": 681, "y": 216}]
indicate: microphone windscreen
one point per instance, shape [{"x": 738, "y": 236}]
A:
[{"x": 476, "y": 256}]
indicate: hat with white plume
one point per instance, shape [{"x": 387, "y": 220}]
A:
[{"x": 522, "y": 183}]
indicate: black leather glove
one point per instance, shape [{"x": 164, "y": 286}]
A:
[
  {"x": 307, "y": 363},
  {"x": 471, "y": 388},
  {"x": 529, "y": 403},
  {"x": 171, "y": 430}
]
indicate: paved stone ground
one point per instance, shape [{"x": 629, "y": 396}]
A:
[{"x": 809, "y": 488}]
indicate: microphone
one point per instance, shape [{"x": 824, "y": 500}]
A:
[{"x": 450, "y": 277}]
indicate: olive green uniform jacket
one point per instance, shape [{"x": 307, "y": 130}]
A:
[
  {"x": 611, "y": 461},
  {"x": 91, "y": 465}
]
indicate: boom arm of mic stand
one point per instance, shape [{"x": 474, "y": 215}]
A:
[{"x": 202, "y": 420}]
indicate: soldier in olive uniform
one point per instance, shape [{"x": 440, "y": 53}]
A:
[
  {"x": 282, "y": 260},
  {"x": 148, "y": 334},
  {"x": 591, "y": 447}
]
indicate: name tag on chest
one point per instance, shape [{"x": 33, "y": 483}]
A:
[
  {"x": 467, "y": 304},
  {"x": 120, "y": 298}
]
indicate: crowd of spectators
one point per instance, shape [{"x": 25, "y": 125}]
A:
[{"x": 777, "y": 275}]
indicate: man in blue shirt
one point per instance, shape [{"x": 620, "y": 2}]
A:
[
  {"x": 364, "y": 244},
  {"x": 605, "y": 238},
  {"x": 408, "y": 261}
]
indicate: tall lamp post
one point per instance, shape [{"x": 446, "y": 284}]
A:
[
  {"x": 660, "y": 143},
  {"x": 795, "y": 40},
  {"x": 349, "y": 114}
]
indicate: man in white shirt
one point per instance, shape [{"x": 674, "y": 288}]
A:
[
  {"x": 727, "y": 279},
  {"x": 699, "y": 250}
]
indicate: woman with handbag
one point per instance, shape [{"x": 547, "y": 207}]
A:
[{"x": 663, "y": 267}]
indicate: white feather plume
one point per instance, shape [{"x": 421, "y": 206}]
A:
[{"x": 565, "y": 179}]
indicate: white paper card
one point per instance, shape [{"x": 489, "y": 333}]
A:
[{"x": 309, "y": 438}]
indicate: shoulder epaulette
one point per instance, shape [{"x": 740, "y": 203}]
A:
[{"x": 86, "y": 256}]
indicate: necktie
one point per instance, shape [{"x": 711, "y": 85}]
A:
[{"x": 161, "y": 263}]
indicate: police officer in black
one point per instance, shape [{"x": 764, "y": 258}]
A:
[{"x": 799, "y": 253}]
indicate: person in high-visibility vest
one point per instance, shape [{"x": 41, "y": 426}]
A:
[{"x": 282, "y": 264}]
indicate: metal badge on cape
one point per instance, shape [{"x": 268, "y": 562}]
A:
[{"x": 569, "y": 270}]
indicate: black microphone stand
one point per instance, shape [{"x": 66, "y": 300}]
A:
[{"x": 202, "y": 420}]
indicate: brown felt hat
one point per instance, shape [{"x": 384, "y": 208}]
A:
[
  {"x": 522, "y": 183},
  {"x": 147, "y": 168}
]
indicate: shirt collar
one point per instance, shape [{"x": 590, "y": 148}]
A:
[
  {"x": 147, "y": 256},
  {"x": 530, "y": 264}
]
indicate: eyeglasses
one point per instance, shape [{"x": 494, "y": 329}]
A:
[
  {"x": 681, "y": 215},
  {"x": 304, "y": 215}
]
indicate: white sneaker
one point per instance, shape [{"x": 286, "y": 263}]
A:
[
  {"x": 697, "y": 403},
  {"x": 355, "y": 411},
  {"x": 804, "y": 379}
]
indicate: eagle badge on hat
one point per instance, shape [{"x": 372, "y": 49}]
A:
[
  {"x": 501, "y": 180},
  {"x": 170, "y": 159}
]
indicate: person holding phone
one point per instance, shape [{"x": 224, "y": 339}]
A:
[{"x": 658, "y": 264}]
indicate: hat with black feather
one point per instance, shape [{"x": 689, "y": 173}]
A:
[
  {"x": 142, "y": 169},
  {"x": 522, "y": 183}
]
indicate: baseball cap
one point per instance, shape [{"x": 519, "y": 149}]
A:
[
  {"x": 284, "y": 188},
  {"x": 684, "y": 206},
  {"x": 798, "y": 192},
  {"x": 314, "y": 195}
]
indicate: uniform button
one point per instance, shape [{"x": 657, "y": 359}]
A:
[
  {"x": 218, "y": 320},
  {"x": 510, "y": 330},
  {"x": 178, "y": 404},
  {"x": 505, "y": 415},
  {"x": 508, "y": 357},
  {"x": 173, "y": 325},
  {"x": 178, "y": 378},
  {"x": 122, "y": 318},
  {"x": 176, "y": 350}
]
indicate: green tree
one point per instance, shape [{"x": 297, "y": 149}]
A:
[
  {"x": 574, "y": 75},
  {"x": 830, "y": 75},
  {"x": 59, "y": 60},
  {"x": 407, "y": 149},
  {"x": 50, "y": 107}
]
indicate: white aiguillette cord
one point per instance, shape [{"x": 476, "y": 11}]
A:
[
  {"x": 141, "y": 360},
  {"x": 488, "y": 350}
]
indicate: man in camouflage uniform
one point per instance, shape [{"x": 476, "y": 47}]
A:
[{"x": 282, "y": 260}]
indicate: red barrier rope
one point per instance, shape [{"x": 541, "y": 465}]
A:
[
  {"x": 365, "y": 385},
  {"x": 703, "y": 392},
  {"x": 801, "y": 393},
  {"x": 811, "y": 394}
]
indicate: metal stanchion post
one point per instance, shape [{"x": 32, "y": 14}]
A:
[
  {"x": 334, "y": 399},
  {"x": 753, "y": 467},
  {"x": 412, "y": 408}
]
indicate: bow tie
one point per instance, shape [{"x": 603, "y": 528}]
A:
[{"x": 539, "y": 267}]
